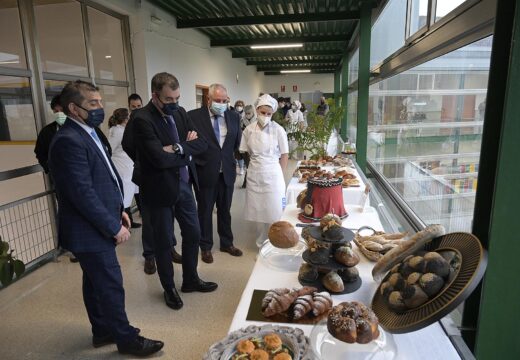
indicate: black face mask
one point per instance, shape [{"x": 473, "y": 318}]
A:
[{"x": 169, "y": 108}]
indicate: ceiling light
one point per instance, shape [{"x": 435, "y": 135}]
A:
[
  {"x": 294, "y": 71},
  {"x": 279, "y": 46},
  {"x": 108, "y": 56}
]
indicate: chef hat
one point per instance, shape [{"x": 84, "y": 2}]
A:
[{"x": 267, "y": 100}]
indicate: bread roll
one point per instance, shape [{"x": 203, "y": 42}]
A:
[{"x": 283, "y": 235}]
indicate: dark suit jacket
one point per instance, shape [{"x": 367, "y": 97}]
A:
[
  {"x": 208, "y": 162},
  {"x": 90, "y": 203},
  {"x": 43, "y": 142},
  {"x": 159, "y": 169}
]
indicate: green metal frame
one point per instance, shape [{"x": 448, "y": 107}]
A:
[
  {"x": 278, "y": 40},
  {"x": 365, "y": 30},
  {"x": 268, "y": 62},
  {"x": 337, "y": 87},
  {"x": 497, "y": 336}
]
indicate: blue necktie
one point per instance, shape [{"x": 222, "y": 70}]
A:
[
  {"x": 216, "y": 128},
  {"x": 172, "y": 128}
]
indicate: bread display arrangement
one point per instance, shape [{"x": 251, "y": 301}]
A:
[
  {"x": 296, "y": 303},
  {"x": 330, "y": 262},
  {"x": 418, "y": 279},
  {"x": 379, "y": 243},
  {"x": 283, "y": 235},
  {"x": 323, "y": 196},
  {"x": 267, "y": 347},
  {"x": 353, "y": 322}
]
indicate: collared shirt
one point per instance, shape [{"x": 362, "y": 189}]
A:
[
  {"x": 221, "y": 125},
  {"x": 89, "y": 131}
]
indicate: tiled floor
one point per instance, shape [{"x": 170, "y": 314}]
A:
[{"x": 42, "y": 316}]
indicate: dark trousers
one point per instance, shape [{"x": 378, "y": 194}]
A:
[
  {"x": 185, "y": 211},
  {"x": 147, "y": 233},
  {"x": 221, "y": 195},
  {"x": 104, "y": 295}
]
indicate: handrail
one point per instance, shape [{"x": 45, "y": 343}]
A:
[
  {"x": 26, "y": 199},
  {"x": 15, "y": 173}
]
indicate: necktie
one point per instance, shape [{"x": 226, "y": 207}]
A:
[
  {"x": 98, "y": 140},
  {"x": 216, "y": 128},
  {"x": 172, "y": 128}
]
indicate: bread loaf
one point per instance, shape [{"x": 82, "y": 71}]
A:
[
  {"x": 283, "y": 235},
  {"x": 333, "y": 282}
]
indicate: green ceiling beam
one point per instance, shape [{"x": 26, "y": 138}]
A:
[
  {"x": 316, "y": 71},
  {"x": 278, "y": 40},
  {"x": 265, "y": 19},
  {"x": 292, "y": 62},
  {"x": 285, "y": 52}
]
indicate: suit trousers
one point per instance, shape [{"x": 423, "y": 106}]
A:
[
  {"x": 185, "y": 211},
  {"x": 221, "y": 195},
  {"x": 104, "y": 295},
  {"x": 147, "y": 233}
]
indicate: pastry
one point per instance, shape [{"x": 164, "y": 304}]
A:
[
  {"x": 435, "y": 263},
  {"x": 307, "y": 272},
  {"x": 272, "y": 342},
  {"x": 353, "y": 322},
  {"x": 431, "y": 284},
  {"x": 346, "y": 256},
  {"x": 306, "y": 290},
  {"x": 308, "y": 209},
  {"x": 302, "y": 306},
  {"x": 333, "y": 282},
  {"x": 333, "y": 232},
  {"x": 259, "y": 354},
  {"x": 405, "y": 248},
  {"x": 396, "y": 302},
  {"x": 320, "y": 256},
  {"x": 329, "y": 220},
  {"x": 277, "y": 301},
  {"x": 245, "y": 347},
  {"x": 414, "y": 296},
  {"x": 349, "y": 275},
  {"x": 283, "y": 235},
  {"x": 321, "y": 303},
  {"x": 282, "y": 356},
  {"x": 300, "y": 199}
]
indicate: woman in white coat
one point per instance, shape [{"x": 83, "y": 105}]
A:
[
  {"x": 295, "y": 123},
  {"x": 124, "y": 165},
  {"x": 266, "y": 143}
]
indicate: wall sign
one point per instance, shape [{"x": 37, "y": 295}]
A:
[
  {"x": 282, "y": 88},
  {"x": 295, "y": 88}
]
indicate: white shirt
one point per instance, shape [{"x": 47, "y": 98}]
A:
[
  {"x": 221, "y": 125},
  {"x": 295, "y": 118},
  {"x": 272, "y": 152}
]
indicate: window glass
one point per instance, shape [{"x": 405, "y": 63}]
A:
[
  {"x": 426, "y": 139},
  {"x": 353, "y": 67},
  {"x": 107, "y": 45},
  {"x": 388, "y": 32},
  {"x": 418, "y": 15},
  {"x": 16, "y": 110},
  {"x": 60, "y": 36},
  {"x": 352, "y": 116},
  {"x": 113, "y": 98},
  {"x": 445, "y": 6},
  {"x": 12, "y": 52}
]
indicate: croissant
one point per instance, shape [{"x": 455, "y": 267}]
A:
[
  {"x": 306, "y": 290},
  {"x": 278, "y": 300},
  {"x": 321, "y": 303},
  {"x": 302, "y": 306}
]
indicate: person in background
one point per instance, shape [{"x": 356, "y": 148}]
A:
[
  {"x": 266, "y": 143},
  {"x": 295, "y": 123},
  {"x": 91, "y": 218},
  {"x": 166, "y": 142},
  {"x": 134, "y": 102},
  {"x": 121, "y": 160},
  {"x": 281, "y": 107},
  {"x": 216, "y": 170},
  {"x": 239, "y": 108},
  {"x": 46, "y": 135},
  {"x": 249, "y": 117},
  {"x": 304, "y": 111},
  {"x": 323, "y": 107}
]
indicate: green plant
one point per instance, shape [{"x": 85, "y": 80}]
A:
[
  {"x": 9, "y": 265},
  {"x": 315, "y": 137}
]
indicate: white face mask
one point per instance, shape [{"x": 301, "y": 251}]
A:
[
  {"x": 263, "y": 119},
  {"x": 217, "y": 108},
  {"x": 60, "y": 118},
  {"x": 239, "y": 109},
  {"x": 249, "y": 116}
]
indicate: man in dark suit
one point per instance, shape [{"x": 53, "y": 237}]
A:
[
  {"x": 216, "y": 169},
  {"x": 91, "y": 218},
  {"x": 166, "y": 141}
]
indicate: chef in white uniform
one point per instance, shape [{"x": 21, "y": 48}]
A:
[
  {"x": 122, "y": 162},
  {"x": 266, "y": 143}
]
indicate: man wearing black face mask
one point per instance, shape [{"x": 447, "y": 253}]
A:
[
  {"x": 91, "y": 217},
  {"x": 166, "y": 141}
]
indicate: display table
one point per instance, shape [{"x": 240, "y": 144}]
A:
[
  {"x": 351, "y": 195},
  {"x": 428, "y": 343}
]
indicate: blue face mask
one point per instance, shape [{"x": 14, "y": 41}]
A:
[
  {"x": 95, "y": 117},
  {"x": 218, "y": 109},
  {"x": 169, "y": 108}
]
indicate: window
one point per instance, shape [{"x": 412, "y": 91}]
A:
[
  {"x": 388, "y": 32},
  {"x": 418, "y": 15},
  {"x": 426, "y": 139},
  {"x": 113, "y": 98},
  {"x": 16, "y": 110},
  {"x": 107, "y": 46},
  {"x": 352, "y": 116},
  {"x": 61, "y": 38},
  {"x": 12, "y": 53},
  {"x": 353, "y": 67},
  {"x": 446, "y": 6}
]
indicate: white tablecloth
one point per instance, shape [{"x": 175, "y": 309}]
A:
[
  {"x": 429, "y": 343},
  {"x": 351, "y": 195}
]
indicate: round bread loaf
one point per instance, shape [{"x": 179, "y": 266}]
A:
[
  {"x": 282, "y": 235},
  {"x": 353, "y": 322}
]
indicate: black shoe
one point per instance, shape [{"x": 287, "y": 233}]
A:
[
  {"x": 149, "y": 266},
  {"x": 200, "y": 286},
  {"x": 135, "y": 225},
  {"x": 176, "y": 257},
  {"x": 141, "y": 347},
  {"x": 98, "y": 341},
  {"x": 173, "y": 300}
]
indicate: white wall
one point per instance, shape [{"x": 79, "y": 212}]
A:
[
  {"x": 304, "y": 82},
  {"x": 185, "y": 53}
]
